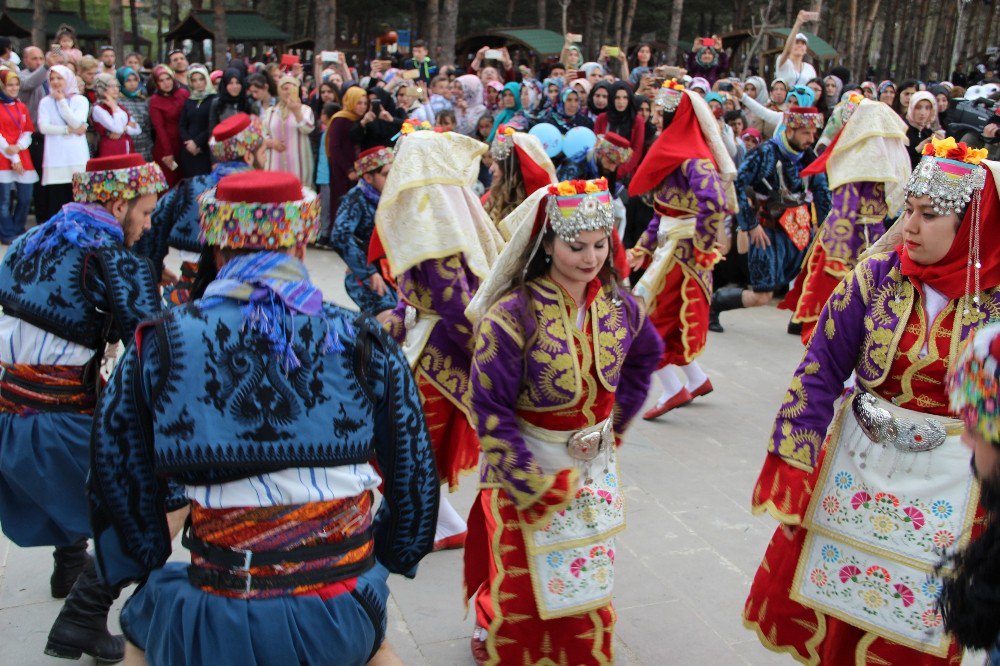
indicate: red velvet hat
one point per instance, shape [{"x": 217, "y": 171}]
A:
[
  {"x": 613, "y": 147},
  {"x": 373, "y": 159},
  {"x": 236, "y": 136},
  {"x": 262, "y": 210},
  {"x": 798, "y": 117},
  {"x": 118, "y": 177}
]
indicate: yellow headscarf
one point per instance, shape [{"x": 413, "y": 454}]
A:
[{"x": 351, "y": 98}]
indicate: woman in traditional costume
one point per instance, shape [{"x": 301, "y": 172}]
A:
[
  {"x": 562, "y": 364},
  {"x": 687, "y": 170},
  {"x": 439, "y": 244},
  {"x": 849, "y": 576},
  {"x": 867, "y": 168},
  {"x": 520, "y": 167}
]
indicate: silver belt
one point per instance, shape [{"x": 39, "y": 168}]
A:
[
  {"x": 588, "y": 443},
  {"x": 883, "y": 428}
]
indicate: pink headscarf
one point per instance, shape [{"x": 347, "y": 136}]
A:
[
  {"x": 72, "y": 87},
  {"x": 922, "y": 96}
]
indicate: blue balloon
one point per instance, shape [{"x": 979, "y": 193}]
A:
[
  {"x": 548, "y": 134},
  {"x": 578, "y": 142}
]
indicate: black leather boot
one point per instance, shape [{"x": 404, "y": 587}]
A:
[
  {"x": 69, "y": 562},
  {"x": 727, "y": 298},
  {"x": 82, "y": 625},
  {"x": 794, "y": 327}
]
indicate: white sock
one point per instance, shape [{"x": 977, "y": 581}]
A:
[
  {"x": 695, "y": 375},
  {"x": 449, "y": 523},
  {"x": 672, "y": 384}
]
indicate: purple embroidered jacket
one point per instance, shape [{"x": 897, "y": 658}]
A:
[
  {"x": 856, "y": 220},
  {"x": 694, "y": 188},
  {"x": 528, "y": 359},
  {"x": 858, "y": 331},
  {"x": 443, "y": 288}
]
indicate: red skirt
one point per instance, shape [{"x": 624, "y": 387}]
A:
[
  {"x": 456, "y": 445},
  {"x": 816, "y": 283},
  {"x": 680, "y": 316},
  {"x": 498, "y": 582}
]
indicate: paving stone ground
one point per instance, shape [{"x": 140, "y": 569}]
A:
[{"x": 684, "y": 564}]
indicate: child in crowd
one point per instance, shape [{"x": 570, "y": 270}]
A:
[
  {"x": 445, "y": 120},
  {"x": 323, "y": 177}
]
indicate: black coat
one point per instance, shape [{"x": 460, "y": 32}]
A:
[{"x": 196, "y": 126}]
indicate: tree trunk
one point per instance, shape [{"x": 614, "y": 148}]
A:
[
  {"x": 817, "y": 6},
  {"x": 860, "y": 66},
  {"x": 619, "y": 8},
  {"x": 676, "y": 13},
  {"x": 221, "y": 36},
  {"x": 198, "y": 5},
  {"x": 116, "y": 28},
  {"x": 83, "y": 9},
  {"x": 38, "y": 36},
  {"x": 175, "y": 12},
  {"x": 448, "y": 31},
  {"x": 433, "y": 24},
  {"x": 133, "y": 13},
  {"x": 158, "y": 8},
  {"x": 541, "y": 14},
  {"x": 321, "y": 29},
  {"x": 629, "y": 19},
  {"x": 960, "y": 27},
  {"x": 509, "y": 16},
  {"x": 588, "y": 27},
  {"x": 853, "y": 38}
]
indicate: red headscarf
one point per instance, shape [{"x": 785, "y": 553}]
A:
[
  {"x": 680, "y": 141},
  {"x": 948, "y": 274}
]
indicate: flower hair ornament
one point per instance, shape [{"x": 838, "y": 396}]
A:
[
  {"x": 950, "y": 174},
  {"x": 974, "y": 383},
  {"x": 668, "y": 97},
  {"x": 576, "y": 206},
  {"x": 503, "y": 143},
  {"x": 850, "y": 106}
]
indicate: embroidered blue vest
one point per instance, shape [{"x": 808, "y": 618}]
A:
[{"x": 86, "y": 296}]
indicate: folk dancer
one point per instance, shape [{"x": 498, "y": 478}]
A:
[
  {"x": 520, "y": 167},
  {"x": 236, "y": 145},
  {"x": 775, "y": 205},
  {"x": 849, "y": 576},
  {"x": 690, "y": 175},
  {"x": 68, "y": 288},
  {"x": 867, "y": 169},
  {"x": 264, "y": 407},
  {"x": 440, "y": 245},
  {"x": 373, "y": 292},
  {"x": 562, "y": 364}
]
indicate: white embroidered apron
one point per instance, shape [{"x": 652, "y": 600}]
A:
[
  {"x": 571, "y": 559},
  {"x": 672, "y": 230},
  {"x": 880, "y": 521}
]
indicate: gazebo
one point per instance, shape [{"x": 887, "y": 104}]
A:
[
  {"x": 242, "y": 27},
  {"x": 542, "y": 43},
  {"x": 17, "y": 23}
]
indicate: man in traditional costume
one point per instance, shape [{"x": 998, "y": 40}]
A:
[
  {"x": 850, "y": 575},
  {"x": 439, "y": 244},
  {"x": 562, "y": 365},
  {"x": 352, "y": 231},
  {"x": 867, "y": 168},
  {"x": 236, "y": 145},
  {"x": 776, "y": 205},
  {"x": 690, "y": 174},
  {"x": 265, "y": 407},
  {"x": 68, "y": 288}
]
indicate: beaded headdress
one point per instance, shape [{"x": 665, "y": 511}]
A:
[
  {"x": 120, "y": 177},
  {"x": 974, "y": 383},
  {"x": 668, "y": 97},
  {"x": 950, "y": 174},
  {"x": 259, "y": 210},
  {"x": 614, "y": 148},
  {"x": 850, "y": 106},
  {"x": 373, "y": 159},
  {"x": 576, "y": 206},
  {"x": 235, "y": 137},
  {"x": 799, "y": 117},
  {"x": 503, "y": 143}
]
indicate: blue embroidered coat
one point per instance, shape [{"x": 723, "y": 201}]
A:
[
  {"x": 88, "y": 296},
  {"x": 176, "y": 218},
  {"x": 352, "y": 232},
  {"x": 202, "y": 399},
  {"x": 758, "y": 171}
]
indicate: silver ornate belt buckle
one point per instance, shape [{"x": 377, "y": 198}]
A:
[
  {"x": 588, "y": 444},
  {"x": 881, "y": 427}
]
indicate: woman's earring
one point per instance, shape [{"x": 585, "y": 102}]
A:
[{"x": 548, "y": 258}]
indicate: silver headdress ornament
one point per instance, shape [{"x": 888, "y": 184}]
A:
[
  {"x": 571, "y": 214},
  {"x": 503, "y": 143},
  {"x": 668, "y": 97},
  {"x": 950, "y": 184}
]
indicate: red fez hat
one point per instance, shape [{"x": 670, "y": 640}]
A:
[
  {"x": 116, "y": 162},
  {"x": 121, "y": 177},
  {"x": 262, "y": 187},
  {"x": 617, "y": 140},
  {"x": 231, "y": 126}
]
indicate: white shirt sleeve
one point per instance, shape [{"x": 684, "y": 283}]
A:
[
  {"x": 113, "y": 123},
  {"x": 769, "y": 116}
]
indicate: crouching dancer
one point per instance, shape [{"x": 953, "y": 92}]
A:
[{"x": 267, "y": 407}]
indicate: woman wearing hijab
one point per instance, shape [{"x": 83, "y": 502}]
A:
[
  {"x": 232, "y": 97},
  {"x": 621, "y": 119},
  {"x": 287, "y": 126},
  {"x": 533, "y": 101},
  {"x": 583, "y": 87},
  {"x": 469, "y": 106},
  {"x": 921, "y": 124},
  {"x": 568, "y": 113},
  {"x": 115, "y": 128},
  {"x": 510, "y": 106},
  {"x": 833, "y": 87},
  {"x": 133, "y": 99},
  {"x": 165, "y": 108},
  {"x": 341, "y": 147},
  {"x": 17, "y": 173},
  {"x": 597, "y": 101},
  {"x": 196, "y": 125},
  {"x": 381, "y": 128},
  {"x": 887, "y": 94},
  {"x": 62, "y": 118}
]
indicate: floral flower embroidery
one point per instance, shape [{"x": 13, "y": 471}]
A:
[
  {"x": 943, "y": 538},
  {"x": 818, "y": 577},
  {"x": 601, "y": 575},
  {"x": 931, "y": 618},
  {"x": 554, "y": 559},
  {"x": 830, "y": 553},
  {"x": 557, "y": 585},
  {"x": 872, "y": 599},
  {"x": 931, "y": 588},
  {"x": 831, "y": 504},
  {"x": 882, "y": 525},
  {"x": 942, "y": 509},
  {"x": 578, "y": 566},
  {"x": 844, "y": 480}
]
